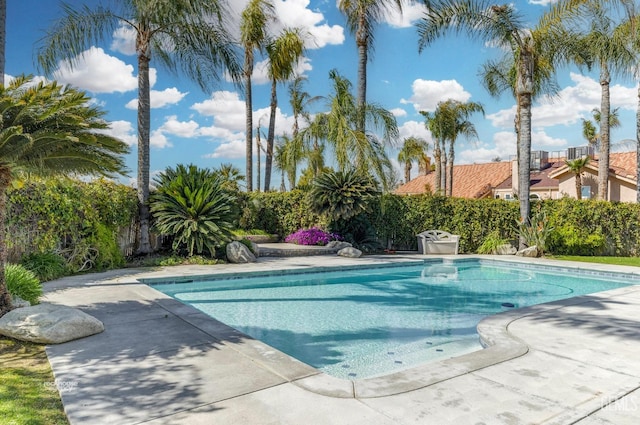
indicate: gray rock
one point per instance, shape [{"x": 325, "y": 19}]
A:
[
  {"x": 505, "y": 249},
  {"x": 338, "y": 245},
  {"x": 531, "y": 252},
  {"x": 48, "y": 324},
  {"x": 237, "y": 252},
  {"x": 18, "y": 302},
  {"x": 350, "y": 252}
]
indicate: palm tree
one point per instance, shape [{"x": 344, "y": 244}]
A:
[
  {"x": 230, "y": 177},
  {"x": 577, "y": 166},
  {"x": 49, "y": 129},
  {"x": 459, "y": 114},
  {"x": 300, "y": 101},
  {"x": 413, "y": 149},
  {"x": 362, "y": 16},
  {"x": 253, "y": 36},
  {"x": 604, "y": 46},
  {"x": 178, "y": 32},
  {"x": 589, "y": 130},
  {"x": 284, "y": 53},
  {"x": 531, "y": 51},
  {"x": 436, "y": 121},
  {"x": 281, "y": 162},
  {"x": 313, "y": 138},
  {"x": 352, "y": 147}
]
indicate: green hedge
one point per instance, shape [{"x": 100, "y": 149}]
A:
[
  {"x": 76, "y": 219},
  {"x": 585, "y": 227}
]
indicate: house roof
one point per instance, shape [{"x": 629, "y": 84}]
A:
[
  {"x": 621, "y": 164},
  {"x": 469, "y": 180}
]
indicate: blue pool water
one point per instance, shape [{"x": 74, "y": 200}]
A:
[{"x": 367, "y": 322}]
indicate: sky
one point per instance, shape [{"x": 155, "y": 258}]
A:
[{"x": 189, "y": 126}]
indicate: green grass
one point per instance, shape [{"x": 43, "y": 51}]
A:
[
  {"x": 28, "y": 393},
  {"x": 621, "y": 261}
]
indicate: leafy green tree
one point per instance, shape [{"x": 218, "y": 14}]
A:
[
  {"x": 47, "y": 129},
  {"x": 531, "y": 51},
  {"x": 184, "y": 33},
  {"x": 413, "y": 149},
  {"x": 352, "y": 147},
  {"x": 284, "y": 53},
  {"x": 193, "y": 206},
  {"x": 577, "y": 166},
  {"x": 362, "y": 17},
  {"x": 253, "y": 36}
]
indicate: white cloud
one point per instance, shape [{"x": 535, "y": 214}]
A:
[
  {"x": 398, "y": 112},
  {"x": 411, "y": 12},
  {"x": 124, "y": 40},
  {"x": 124, "y": 131},
  {"x": 296, "y": 13},
  {"x": 234, "y": 149},
  {"x": 159, "y": 140},
  {"x": 187, "y": 129},
  {"x": 226, "y": 108},
  {"x": 503, "y": 147},
  {"x": 159, "y": 99},
  {"x": 98, "y": 72},
  {"x": 427, "y": 94},
  {"x": 415, "y": 129},
  {"x": 542, "y": 141}
]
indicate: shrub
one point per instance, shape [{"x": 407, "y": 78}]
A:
[
  {"x": 535, "y": 230},
  {"x": 45, "y": 265},
  {"x": 312, "y": 236},
  {"x": 192, "y": 206},
  {"x": 491, "y": 243},
  {"x": 23, "y": 283},
  {"x": 569, "y": 240}
]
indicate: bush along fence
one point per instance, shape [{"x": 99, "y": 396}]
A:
[
  {"x": 585, "y": 227},
  {"x": 90, "y": 225}
]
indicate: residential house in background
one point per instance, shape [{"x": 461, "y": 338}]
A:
[{"x": 551, "y": 178}]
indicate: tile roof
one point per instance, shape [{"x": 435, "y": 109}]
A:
[
  {"x": 622, "y": 164},
  {"x": 469, "y": 181}
]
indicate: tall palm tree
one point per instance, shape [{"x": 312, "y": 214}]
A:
[
  {"x": 589, "y": 130},
  {"x": 612, "y": 53},
  {"x": 47, "y": 129},
  {"x": 353, "y": 148},
  {"x": 436, "y": 122},
  {"x": 3, "y": 40},
  {"x": 230, "y": 177},
  {"x": 413, "y": 149},
  {"x": 184, "y": 33},
  {"x": 577, "y": 166},
  {"x": 253, "y": 36},
  {"x": 362, "y": 17},
  {"x": 300, "y": 100},
  {"x": 293, "y": 154},
  {"x": 531, "y": 50},
  {"x": 281, "y": 162},
  {"x": 313, "y": 138},
  {"x": 284, "y": 53}
]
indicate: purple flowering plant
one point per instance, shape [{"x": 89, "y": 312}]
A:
[{"x": 312, "y": 236}]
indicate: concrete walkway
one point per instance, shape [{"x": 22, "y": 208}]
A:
[{"x": 161, "y": 362}]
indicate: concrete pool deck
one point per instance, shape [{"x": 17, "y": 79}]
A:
[{"x": 161, "y": 362}]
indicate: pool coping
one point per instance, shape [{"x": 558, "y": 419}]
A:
[{"x": 500, "y": 345}]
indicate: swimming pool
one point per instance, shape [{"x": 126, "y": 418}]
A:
[{"x": 365, "y": 322}]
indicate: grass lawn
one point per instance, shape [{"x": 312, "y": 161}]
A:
[
  {"x": 622, "y": 261},
  {"x": 28, "y": 394}
]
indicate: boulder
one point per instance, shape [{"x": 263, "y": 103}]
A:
[
  {"x": 350, "y": 252},
  {"x": 48, "y": 324},
  {"x": 238, "y": 252},
  {"x": 18, "y": 302},
  {"x": 338, "y": 245},
  {"x": 505, "y": 249},
  {"x": 531, "y": 252}
]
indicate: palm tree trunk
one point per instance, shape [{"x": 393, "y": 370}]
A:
[
  {"x": 450, "y": 169},
  {"x": 5, "y": 298},
  {"x": 443, "y": 169},
  {"x": 407, "y": 171},
  {"x": 258, "y": 149},
  {"x": 271, "y": 135},
  {"x": 362, "y": 43},
  {"x": 248, "y": 108},
  {"x": 3, "y": 32},
  {"x": 144, "y": 162},
  {"x": 603, "y": 155},
  {"x": 436, "y": 154},
  {"x": 578, "y": 186},
  {"x": 524, "y": 159}
]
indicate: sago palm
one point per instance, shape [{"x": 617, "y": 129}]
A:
[
  {"x": 47, "y": 129},
  {"x": 178, "y": 33},
  {"x": 193, "y": 206}
]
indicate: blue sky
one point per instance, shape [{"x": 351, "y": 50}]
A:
[{"x": 207, "y": 129}]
